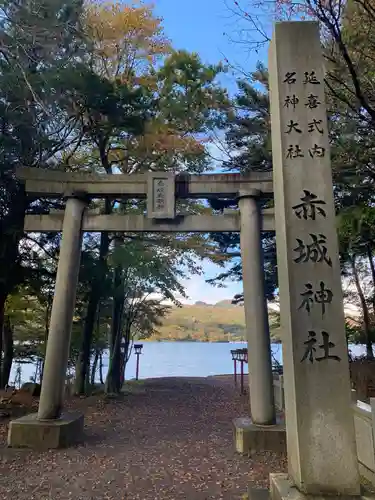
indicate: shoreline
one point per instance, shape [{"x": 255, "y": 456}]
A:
[
  {"x": 202, "y": 341},
  {"x": 181, "y": 377},
  {"x": 224, "y": 378}
]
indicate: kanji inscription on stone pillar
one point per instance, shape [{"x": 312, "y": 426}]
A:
[
  {"x": 161, "y": 195},
  {"x": 320, "y": 431}
]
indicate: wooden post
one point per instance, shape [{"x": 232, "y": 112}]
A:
[
  {"x": 137, "y": 368},
  {"x": 242, "y": 391}
]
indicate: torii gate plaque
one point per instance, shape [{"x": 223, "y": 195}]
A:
[{"x": 161, "y": 195}]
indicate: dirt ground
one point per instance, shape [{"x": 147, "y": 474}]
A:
[{"x": 167, "y": 439}]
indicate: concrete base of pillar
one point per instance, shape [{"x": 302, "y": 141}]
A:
[
  {"x": 367, "y": 474},
  {"x": 29, "y": 432},
  {"x": 250, "y": 438},
  {"x": 257, "y": 494},
  {"x": 281, "y": 488}
]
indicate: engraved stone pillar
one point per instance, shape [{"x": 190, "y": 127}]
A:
[
  {"x": 320, "y": 431},
  {"x": 58, "y": 344},
  {"x": 256, "y": 315}
]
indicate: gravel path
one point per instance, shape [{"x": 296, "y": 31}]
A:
[{"x": 168, "y": 439}]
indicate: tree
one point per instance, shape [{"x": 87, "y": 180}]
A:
[
  {"x": 113, "y": 109},
  {"x": 248, "y": 143},
  {"x": 126, "y": 54},
  {"x": 356, "y": 237},
  {"x": 347, "y": 33},
  {"x": 348, "y": 36},
  {"x": 351, "y": 144},
  {"x": 109, "y": 110},
  {"x": 128, "y": 45},
  {"x": 127, "y": 41},
  {"x": 38, "y": 43},
  {"x": 140, "y": 274},
  {"x": 101, "y": 90}
]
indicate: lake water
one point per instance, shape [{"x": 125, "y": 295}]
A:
[{"x": 179, "y": 359}]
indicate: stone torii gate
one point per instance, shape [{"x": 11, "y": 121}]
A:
[
  {"x": 322, "y": 459},
  {"x": 161, "y": 190}
]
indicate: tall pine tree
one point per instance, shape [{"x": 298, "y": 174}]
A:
[{"x": 248, "y": 138}]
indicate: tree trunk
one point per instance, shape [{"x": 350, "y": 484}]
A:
[
  {"x": 127, "y": 342},
  {"x": 372, "y": 268},
  {"x": 38, "y": 371},
  {"x": 3, "y": 298},
  {"x": 366, "y": 315},
  {"x": 85, "y": 350},
  {"x": 113, "y": 382},
  {"x": 94, "y": 367},
  {"x": 101, "y": 368},
  {"x": 11, "y": 231},
  {"x": 122, "y": 369},
  {"x": 87, "y": 380},
  {"x": 46, "y": 331},
  {"x": 92, "y": 311},
  {"x": 8, "y": 351}
]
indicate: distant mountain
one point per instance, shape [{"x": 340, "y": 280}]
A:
[
  {"x": 225, "y": 303},
  {"x": 221, "y": 303},
  {"x": 220, "y": 322},
  {"x": 201, "y": 322}
]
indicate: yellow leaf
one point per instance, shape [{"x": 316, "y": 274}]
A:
[{"x": 127, "y": 39}]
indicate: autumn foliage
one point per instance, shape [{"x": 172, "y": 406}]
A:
[
  {"x": 127, "y": 40},
  {"x": 91, "y": 86},
  {"x": 129, "y": 47}
]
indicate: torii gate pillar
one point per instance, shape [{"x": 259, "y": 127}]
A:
[
  {"x": 49, "y": 428},
  {"x": 262, "y": 407},
  {"x": 261, "y": 431}
]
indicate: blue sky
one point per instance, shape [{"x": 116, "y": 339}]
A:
[
  {"x": 200, "y": 26},
  {"x": 205, "y": 27}
]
